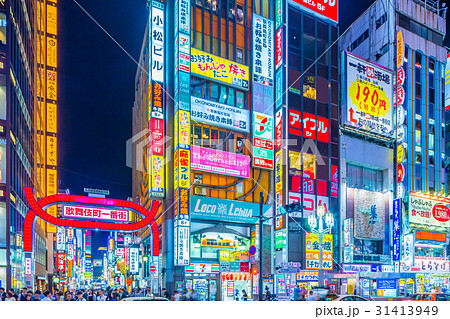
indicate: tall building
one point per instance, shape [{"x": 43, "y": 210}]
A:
[
  {"x": 393, "y": 64},
  {"x": 28, "y": 128}
]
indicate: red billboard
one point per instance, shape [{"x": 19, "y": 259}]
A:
[
  {"x": 326, "y": 8},
  {"x": 309, "y": 126}
]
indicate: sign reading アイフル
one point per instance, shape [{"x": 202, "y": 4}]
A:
[
  {"x": 219, "y": 69},
  {"x": 369, "y": 96},
  {"x": 428, "y": 210},
  {"x": 327, "y": 9},
  {"x": 206, "y": 208}
]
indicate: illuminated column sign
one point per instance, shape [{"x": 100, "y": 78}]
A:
[
  {"x": 263, "y": 89},
  {"x": 46, "y": 106},
  {"x": 156, "y": 98},
  {"x": 182, "y": 133},
  {"x": 60, "y": 239},
  {"x": 134, "y": 260}
]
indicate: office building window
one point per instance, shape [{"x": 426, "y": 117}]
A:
[
  {"x": 381, "y": 20},
  {"x": 364, "y": 178}
]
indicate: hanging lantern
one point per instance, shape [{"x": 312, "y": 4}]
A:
[
  {"x": 231, "y": 276},
  {"x": 228, "y": 276},
  {"x": 223, "y": 277},
  {"x": 240, "y": 276},
  {"x": 245, "y": 277}
]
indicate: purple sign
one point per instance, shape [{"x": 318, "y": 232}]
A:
[{"x": 215, "y": 161}]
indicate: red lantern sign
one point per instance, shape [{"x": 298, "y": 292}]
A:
[
  {"x": 400, "y": 172},
  {"x": 400, "y": 95},
  {"x": 400, "y": 76}
]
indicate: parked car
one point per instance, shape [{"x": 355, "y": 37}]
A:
[
  {"x": 431, "y": 296},
  {"x": 351, "y": 298}
]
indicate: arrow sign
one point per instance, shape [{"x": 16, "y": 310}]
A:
[{"x": 351, "y": 116}]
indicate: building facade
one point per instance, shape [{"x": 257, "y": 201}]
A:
[{"x": 392, "y": 66}]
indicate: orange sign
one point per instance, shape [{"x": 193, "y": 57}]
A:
[{"x": 424, "y": 235}]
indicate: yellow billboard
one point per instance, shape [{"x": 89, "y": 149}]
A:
[
  {"x": 157, "y": 175},
  {"x": 52, "y": 19},
  {"x": 51, "y": 151},
  {"x": 51, "y": 117},
  {"x": 52, "y": 56},
  {"x": 219, "y": 69},
  {"x": 184, "y": 168},
  {"x": 313, "y": 251},
  {"x": 52, "y": 91}
]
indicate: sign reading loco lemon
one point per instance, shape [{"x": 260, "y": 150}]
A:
[
  {"x": 313, "y": 251},
  {"x": 428, "y": 210},
  {"x": 219, "y": 69},
  {"x": 369, "y": 96}
]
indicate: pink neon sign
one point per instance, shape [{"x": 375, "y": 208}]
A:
[
  {"x": 215, "y": 161},
  {"x": 94, "y": 213}
]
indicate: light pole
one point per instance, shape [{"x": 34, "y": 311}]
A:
[{"x": 321, "y": 223}]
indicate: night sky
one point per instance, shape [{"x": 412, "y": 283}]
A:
[{"x": 96, "y": 89}]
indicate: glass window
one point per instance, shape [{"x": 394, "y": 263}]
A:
[
  {"x": 239, "y": 55},
  {"x": 3, "y": 96},
  {"x": 309, "y": 166},
  {"x": 295, "y": 160},
  {"x": 418, "y": 106},
  {"x": 239, "y": 99},
  {"x": 2, "y": 28},
  {"x": 309, "y": 45},
  {"x": 370, "y": 179},
  {"x": 418, "y": 90},
  {"x": 309, "y": 86},
  {"x": 231, "y": 144},
  {"x": 197, "y": 135},
  {"x": 214, "y": 92},
  {"x": 206, "y": 137},
  {"x": 431, "y": 136},
  {"x": 223, "y": 94},
  {"x": 431, "y": 110},
  {"x": 239, "y": 14},
  {"x": 230, "y": 99},
  {"x": 355, "y": 176},
  {"x": 222, "y": 142},
  {"x": 214, "y": 138},
  {"x": 418, "y": 135}
]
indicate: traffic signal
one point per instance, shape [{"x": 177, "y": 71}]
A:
[{"x": 291, "y": 208}]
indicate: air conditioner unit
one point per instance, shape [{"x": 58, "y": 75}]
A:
[{"x": 199, "y": 190}]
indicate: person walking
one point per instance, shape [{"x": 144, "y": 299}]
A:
[
  {"x": 14, "y": 293},
  {"x": 244, "y": 295},
  {"x": 69, "y": 296},
  {"x": 10, "y": 297},
  {"x": 23, "y": 295},
  {"x": 47, "y": 296},
  {"x": 267, "y": 293},
  {"x": 2, "y": 293},
  {"x": 101, "y": 296},
  {"x": 311, "y": 296},
  {"x": 297, "y": 294},
  {"x": 59, "y": 296},
  {"x": 37, "y": 296},
  {"x": 165, "y": 293},
  {"x": 91, "y": 295},
  {"x": 80, "y": 296},
  {"x": 236, "y": 295}
]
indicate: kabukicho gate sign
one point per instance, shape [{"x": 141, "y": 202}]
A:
[{"x": 85, "y": 212}]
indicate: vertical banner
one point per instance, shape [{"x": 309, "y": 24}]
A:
[
  {"x": 60, "y": 238},
  {"x": 156, "y": 108},
  {"x": 263, "y": 91},
  {"x": 396, "y": 230},
  {"x": 182, "y": 133},
  {"x": 134, "y": 260}
]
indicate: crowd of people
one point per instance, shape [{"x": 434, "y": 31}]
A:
[{"x": 78, "y": 295}]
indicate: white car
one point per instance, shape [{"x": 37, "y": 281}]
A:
[
  {"x": 350, "y": 298},
  {"x": 145, "y": 299}
]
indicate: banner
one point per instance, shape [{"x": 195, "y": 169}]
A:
[
  {"x": 263, "y": 61},
  {"x": 396, "y": 230},
  {"x": 369, "y": 96},
  {"x": 313, "y": 251},
  {"x": 429, "y": 210},
  {"x": 218, "y": 114},
  {"x": 323, "y": 8},
  {"x": 215, "y": 161},
  {"x": 218, "y": 69},
  {"x": 369, "y": 212}
]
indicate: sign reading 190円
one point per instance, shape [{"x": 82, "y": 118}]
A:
[{"x": 369, "y": 96}]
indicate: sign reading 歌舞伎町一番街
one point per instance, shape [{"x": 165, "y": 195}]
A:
[{"x": 216, "y": 209}]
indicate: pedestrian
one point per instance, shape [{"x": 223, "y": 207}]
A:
[
  {"x": 37, "y": 296},
  {"x": 2, "y": 293},
  {"x": 68, "y": 297},
  {"x": 123, "y": 293},
  {"x": 267, "y": 293},
  {"x": 29, "y": 294},
  {"x": 297, "y": 294},
  {"x": 101, "y": 296},
  {"x": 188, "y": 295},
  {"x": 303, "y": 293},
  {"x": 91, "y": 296},
  {"x": 14, "y": 294},
  {"x": 10, "y": 297},
  {"x": 23, "y": 295},
  {"x": 47, "y": 296},
  {"x": 311, "y": 296},
  {"x": 244, "y": 295},
  {"x": 59, "y": 296},
  {"x": 165, "y": 293},
  {"x": 85, "y": 294},
  {"x": 80, "y": 296},
  {"x": 55, "y": 294},
  {"x": 28, "y": 297},
  {"x": 115, "y": 297},
  {"x": 236, "y": 295}
]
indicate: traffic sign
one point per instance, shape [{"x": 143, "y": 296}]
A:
[
  {"x": 152, "y": 268},
  {"x": 252, "y": 250}
]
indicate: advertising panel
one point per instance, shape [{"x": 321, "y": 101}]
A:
[
  {"x": 61, "y": 261},
  {"x": 429, "y": 210},
  {"x": 157, "y": 42},
  {"x": 184, "y": 168},
  {"x": 408, "y": 250},
  {"x": 279, "y": 129},
  {"x": 184, "y": 10},
  {"x": 60, "y": 239},
  {"x": 327, "y": 9},
  {"x": 215, "y": 161},
  {"x": 447, "y": 83},
  {"x": 263, "y": 71},
  {"x": 183, "y": 245},
  {"x": 262, "y": 140},
  {"x": 94, "y": 213},
  {"x": 396, "y": 230},
  {"x": 348, "y": 240},
  {"x": 369, "y": 96},
  {"x": 310, "y": 203},
  {"x": 262, "y": 98},
  {"x": 219, "y": 69},
  {"x": 278, "y": 48},
  {"x": 334, "y": 180},
  {"x": 134, "y": 260},
  {"x": 221, "y": 115},
  {"x": 309, "y": 126},
  {"x": 28, "y": 266},
  {"x": 313, "y": 251},
  {"x": 369, "y": 212},
  {"x": 157, "y": 175},
  {"x": 206, "y": 208}
]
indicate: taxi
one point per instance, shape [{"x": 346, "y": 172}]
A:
[{"x": 431, "y": 296}]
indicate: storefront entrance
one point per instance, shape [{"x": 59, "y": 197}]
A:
[
  {"x": 233, "y": 285},
  {"x": 204, "y": 287}
]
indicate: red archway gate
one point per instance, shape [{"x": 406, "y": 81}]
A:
[{"x": 38, "y": 209}]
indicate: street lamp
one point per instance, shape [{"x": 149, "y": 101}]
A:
[{"x": 321, "y": 223}]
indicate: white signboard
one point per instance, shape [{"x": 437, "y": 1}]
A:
[
  {"x": 60, "y": 239},
  {"x": 408, "y": 250},
  {"x": 28, "y": 266},
  {"x": 355, "y": 268},
  {"x": 120, "y": 251},
  {"x": 429, "y": 210},
  {"x": 95, "y": 213},
  {"x": 134, "y": 260},
  {"x": 263, "y": 61},
  {"x": 184, "y": 11},
  {"x": 157, "y": 38},
  {"x": 369, "y": 96},
  {"x": 183, "y": 245},
  {"x": 217, "y": 114},
  {"x": 310, "y": 203}
]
